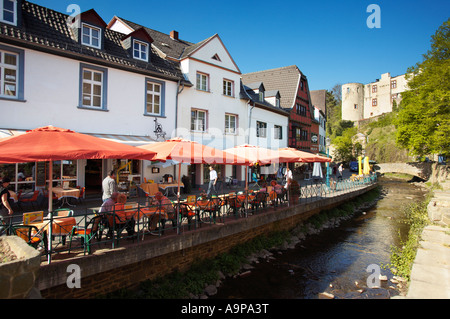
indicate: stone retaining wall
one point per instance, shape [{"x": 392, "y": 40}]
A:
[
  {"x": 111, "y": 269},
  {"x": 18, "y": 276}
]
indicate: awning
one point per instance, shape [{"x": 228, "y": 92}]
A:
[
  {"x": 8, "y": 133},
  {"x": 133, "y": 140}
]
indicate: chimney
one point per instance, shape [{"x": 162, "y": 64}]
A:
[{"x": 174, "y": 35}]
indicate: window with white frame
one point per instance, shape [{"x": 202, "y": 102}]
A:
[
  {"x": 8, "y": 11},
  {"x": 93, "y": 87},
  {"x": 91, "y": 36},
  {"x": 261, "y": 129},
  {"x": 140, "y": 50},
  {"x": 202, "y": 82},
  {"x": 198, "y": 121},
  {"x": 230, "y": 123},
  {"x": 278, "y": 132},
  {"x": 393, "y": 84},
  {"x": 228, "y": 87},
  {"x": 9, "y": 69},
  {"x": 153, "y": 98}
]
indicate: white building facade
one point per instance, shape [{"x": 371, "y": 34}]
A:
[
  {"x": 82, "y": 79},
  {"x": 361, "y": 101},
  {"x": 128, "y": 83}
]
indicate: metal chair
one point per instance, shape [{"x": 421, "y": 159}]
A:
[
  {"x": 30, "y": 200},
  {"x": 259, "y": 200},
  {"x": 31, "y": 235},
  {"x": 87, "y": 234}
]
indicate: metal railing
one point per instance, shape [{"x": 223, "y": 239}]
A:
[{"x": 93, "y": 229}]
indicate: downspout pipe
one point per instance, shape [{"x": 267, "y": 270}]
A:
[{"x": 180, "y": 88}]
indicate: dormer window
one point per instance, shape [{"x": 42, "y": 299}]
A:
[
  {"x": 8, "y": 11},
  {"x": 261, "y": 96},
  {"x": 140, "y": 50},
  {"x": 91, "y": 36}
]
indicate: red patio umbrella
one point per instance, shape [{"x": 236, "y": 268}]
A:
[
  {"x": 186, "y": 151},
  {"x": 190, "y": 152},
  {"x": 52, "y": 144},
  {"x": 302, "y": 156},
  {"x": 255, "y": 154}
]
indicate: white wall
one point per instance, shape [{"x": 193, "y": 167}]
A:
[
  {"x": 272, "y": 119},
  {"x": 52, "y": 98},
  {"x": 214, "y": 102}
]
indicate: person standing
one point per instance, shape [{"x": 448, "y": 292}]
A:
[
  {"x": 6, "y": 211},
  {"x": 341, "y": 170},
  {"x": 288, "y": 176},
  {"x": 212, "y": 180},
  {"x": 109, "y": 185}
]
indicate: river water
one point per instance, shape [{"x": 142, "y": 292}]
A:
[{"x": 336, "y": 260}]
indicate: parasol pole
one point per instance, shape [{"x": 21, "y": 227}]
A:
[
  {"x": 246, "y": 190},
  {"x": 178, "y": 196},
  {"x": 287, "y": 183},
  {"x": 50, "y": 209}
]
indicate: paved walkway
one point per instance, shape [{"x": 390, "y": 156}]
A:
[{"x": 430, "y": 274}]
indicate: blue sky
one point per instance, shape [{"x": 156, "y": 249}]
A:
[{"x": 327, "y": 39}]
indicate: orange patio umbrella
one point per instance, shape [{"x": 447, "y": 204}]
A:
[
  {"x": 186, "y": 151},
  {"x": 53, "y": 144},
  {"x": 189, "y": 152},
  {"x": 255, "y": 154},
  {"x": 302, "y": 156},
  {"x": 251, "y": 154}
]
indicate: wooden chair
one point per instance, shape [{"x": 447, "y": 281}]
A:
[{"x": 82, "y": 191}]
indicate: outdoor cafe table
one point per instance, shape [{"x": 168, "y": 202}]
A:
[
  {"x": 61, "y": 226},
  {"x": 64, "y": 194},
  {"x": 166, "y": 187},
  {"x": 138, "y": 213}
]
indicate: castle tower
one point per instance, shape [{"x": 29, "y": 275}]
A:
[{"x": 353, "y": 102}]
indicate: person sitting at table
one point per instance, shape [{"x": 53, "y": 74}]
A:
[
  {"x": 116, "y": 205},
  {"x": 108, "y": 204},
  {"x": 277, "y": 189},
  {"x": 162, "y": 201}
]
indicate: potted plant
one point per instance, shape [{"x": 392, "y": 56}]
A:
[{"x": 294, "y": 191}]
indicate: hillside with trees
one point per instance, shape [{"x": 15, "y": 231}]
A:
[{"x": 418, "y": 127}]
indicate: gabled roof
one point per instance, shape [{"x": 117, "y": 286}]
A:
[
  {"x": 93, "y": 17},
  {"x": 47, "y": 30},
  {"x": 256, "y": 86},
  {"x": 140, "y": 34},
  {"x": 248, "y": 93},
  {"x": 270, "y": 93},
  {"x": 319, "y": 100},
  {"x": 169, "y": 47},
  {"x": 285, "y": 80}
]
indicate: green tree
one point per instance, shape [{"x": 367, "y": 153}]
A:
[
  {"x": 344, "y": 148},
  {"x": 423, "y": 123}
]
